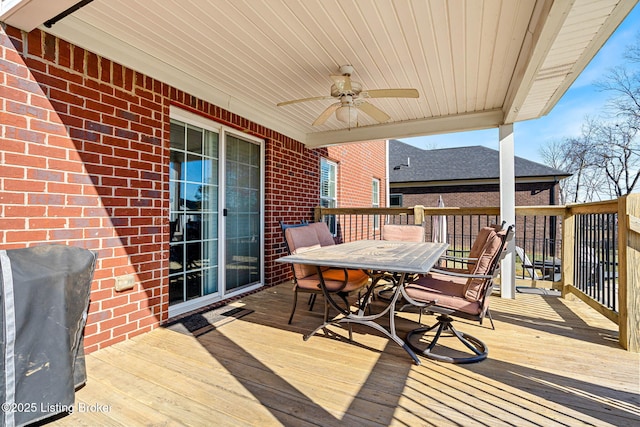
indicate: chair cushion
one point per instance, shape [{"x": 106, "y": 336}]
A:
[
  {"x": 302, "y": 239},
  {"x": 478, "y": 245},
  {"x": 322, "y": 231},
  {"x": 334, "y": 279},
  {"x": 446, "y": 291},
  {"x": 475, "y": 286},
  {"x": 405, "y": 233}
]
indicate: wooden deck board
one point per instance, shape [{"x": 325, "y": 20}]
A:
[{"x": 551, "y": 362}]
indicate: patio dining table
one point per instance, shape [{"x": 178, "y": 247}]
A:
[{"x": 372, "y": 256}]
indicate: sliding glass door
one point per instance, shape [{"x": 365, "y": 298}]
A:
[
  {"x": 215, "y": 218},
  {"x": 242, "y": 209}
]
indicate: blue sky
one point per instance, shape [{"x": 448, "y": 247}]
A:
[{"x": 566, "y": 118}]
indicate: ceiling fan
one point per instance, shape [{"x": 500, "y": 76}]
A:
[{"x": 352, "y": 98}]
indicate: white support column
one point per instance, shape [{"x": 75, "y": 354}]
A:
[{"x": 507, "y": 207}]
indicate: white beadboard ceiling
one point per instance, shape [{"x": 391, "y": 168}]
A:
[{"x": 475, "y": 63}]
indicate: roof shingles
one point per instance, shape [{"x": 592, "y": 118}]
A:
[{"x": 452, "y": 164}]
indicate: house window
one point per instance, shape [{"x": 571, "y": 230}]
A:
[
  {"x": 329, "y": 189},
  {"x": 375, "y": 202},
  {"x": 395, "y": 200}
]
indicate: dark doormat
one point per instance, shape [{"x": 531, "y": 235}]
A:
[{"x": 200, "y": 323}]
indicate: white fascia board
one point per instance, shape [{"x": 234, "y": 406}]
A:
[
  {"x": 29, "y": 14},
  {"x": 406, "y": 129},
  {"x": 538, "y": 41},
  {"x": 618, "y": 14},
  {"x": 104, "y": 44}
]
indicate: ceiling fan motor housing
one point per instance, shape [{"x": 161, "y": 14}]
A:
[{"x": 356, "y": 88}]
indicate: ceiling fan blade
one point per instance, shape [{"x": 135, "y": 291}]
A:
[
  {"x": 374, "y": 112},
  {"x": 326, "y": 114},
  {"x": 294, "y": 101},
  {"x": 343, "y": 83},
  {"x": 390, "y": 93}
]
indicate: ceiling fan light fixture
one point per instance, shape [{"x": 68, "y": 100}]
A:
[{"x": 347, "y": 114}]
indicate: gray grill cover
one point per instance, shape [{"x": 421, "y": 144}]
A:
[{"x": 43, "y": 310}]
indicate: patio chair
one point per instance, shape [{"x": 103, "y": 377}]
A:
[
  {"x": 398, "y": 232},
  {"x": 464, "y": 295},
  {"x": 469, "y": 262},
  {"x": 340, "y": 281},
  {"x": 283, "y": 227}
]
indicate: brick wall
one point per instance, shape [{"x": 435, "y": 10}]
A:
[
  {"x": 358, "y": 165},
  {"x": 537, "y": 231},
  {"x": 527, "y": 194},
  {"x": 84, "y": 158}
]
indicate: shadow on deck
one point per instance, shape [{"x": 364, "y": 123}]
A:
[{"x": 551, "y": 362}]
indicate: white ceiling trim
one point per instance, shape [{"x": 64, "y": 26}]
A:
[
  {"x": 615, "y": 18},
  {"x": 476, "y": 64},
  {"x": 539, "y": 39},
  {"x": 430, "y": 126}
]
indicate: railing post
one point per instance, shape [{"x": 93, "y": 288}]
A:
[
  {"x": 568, "y": 252},
  {"x": 629, "y": 272},
  {"x": 317, "y": 214}
]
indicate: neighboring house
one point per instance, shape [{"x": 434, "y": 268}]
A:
[
  {"x": 177, "y": 196},
  {"x": 464, "y": 177},
  {"x": 469, "y": 177}
]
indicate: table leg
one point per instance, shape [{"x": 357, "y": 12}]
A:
[{"x": 368, "y": 320}]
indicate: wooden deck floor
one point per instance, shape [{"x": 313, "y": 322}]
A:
[{"x": 551, "y": 362}]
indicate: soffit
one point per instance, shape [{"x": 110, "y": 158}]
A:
[{"x": 476, "y": 64}]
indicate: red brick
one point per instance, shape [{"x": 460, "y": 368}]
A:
[
  {"x": 65, "y": 97},
  {"x": 11, "y": 223},
  {"x": 64, "y": 234},
  {"x": 34, "y": 64},
  {"x": 64, "y": 53},
  {"x": 93, "y": 70},
  {"x": 23, "y": 185},
  {"x": 105, "y": 70},
  {"x": 25, "y": 236},
  {"x": 15, "y": 94},
  {"x": 77, "y": 56},
  {"x": 26, "y": 110},
  {"x": 13, "y": 120},
  {"x": 16, "y": 69},
  {"x": 47, "y": 127},
  {"x": 7, "y": 171},
  {"x": 116, "y": 301},
  {"x": 65, "y": 211},
  {"x": 34, "y": 43},
  {"x": 70, "y": 77},
  {"x": 46, "y": 175},
  {"x": 49, "y": 46},
  {"x": 38, "y": 223}
]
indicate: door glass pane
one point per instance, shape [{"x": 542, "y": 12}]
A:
[
  {"x": 242, "y": 224},
  {"x": 193, "y": 219}
]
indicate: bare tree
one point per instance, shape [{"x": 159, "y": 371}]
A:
[
  {"x": 555, "y": 155},
  {"x": 618, "y": 153},
  {"x": 605, "y": 158}
]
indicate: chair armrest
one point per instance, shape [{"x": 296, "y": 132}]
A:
[{"x": 459, "y": 259}]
